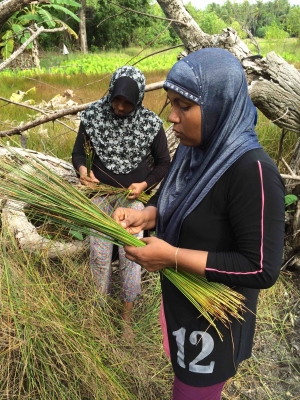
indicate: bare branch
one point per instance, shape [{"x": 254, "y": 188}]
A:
[
  {"x": 111, "y": 16},
  {"x": 157, "y": 52},
  {"x": 293, "y": 177},
  {"x": 42, "y": 120},
  {"x": 154, "y": 86},
  {"x": 288, "y": 167},
  {"x": 28, "y": 41},
  {"x": 34, "y": 109},
  {"x": 252, "y": 38},
  {"x": 150, "y": 15},
  {"x": 148, "y": 45},
  {"x": 56, "y": 114}
]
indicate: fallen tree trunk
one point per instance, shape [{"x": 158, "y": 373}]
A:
[
  {"x": 56, "y": 114},
  {"x": 28, "y": 236}
]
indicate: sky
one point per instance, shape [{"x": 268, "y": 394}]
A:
[{"x": 201, "y": 4}]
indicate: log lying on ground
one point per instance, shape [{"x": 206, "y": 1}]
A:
[
  {"x": 14, "y": 216},
  {"x": 15, "y": 220}
]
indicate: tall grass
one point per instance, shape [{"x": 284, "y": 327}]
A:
[
  {"x": 288, "y": 48},
  {"x": 56, "y": 342},
  {"x": 270, "y": 136}
]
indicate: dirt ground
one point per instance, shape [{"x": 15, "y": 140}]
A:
[{"x": 273, "y": 372}]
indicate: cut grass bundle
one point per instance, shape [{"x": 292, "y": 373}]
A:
[
  {"x": 29, "y": 180},
  {"x": 102, "y": 189}
]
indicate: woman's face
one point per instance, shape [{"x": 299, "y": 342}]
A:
[
  {"x": 121, "y": 106},
  {"x": 187, "y": 120}
]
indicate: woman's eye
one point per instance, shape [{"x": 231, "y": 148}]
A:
[{"x": 184, "y": 108}]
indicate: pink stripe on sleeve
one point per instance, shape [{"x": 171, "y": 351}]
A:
[
  {"x": 262, "y": 216},
  {"x": 261, "y": 234}
]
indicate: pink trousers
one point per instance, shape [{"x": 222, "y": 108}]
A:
[{"x": 181, "y": 391}]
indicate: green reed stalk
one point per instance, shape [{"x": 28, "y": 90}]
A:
[
  {"x": 89, "y": 155},
  {"x": 102, "y": 189}
]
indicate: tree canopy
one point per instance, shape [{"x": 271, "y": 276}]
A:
[{"x": 124, "y": 23}]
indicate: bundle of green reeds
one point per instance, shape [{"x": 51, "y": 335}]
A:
[
  {"x": 28, "y": 180},
  {"x": 102, "y": 189}
]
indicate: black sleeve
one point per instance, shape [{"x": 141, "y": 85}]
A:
[
  {"x": 256, "y": 213},
  {"x": 78, "y": 154},
  {"x": 161, "y": 155}
]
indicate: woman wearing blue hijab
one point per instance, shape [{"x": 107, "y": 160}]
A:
[{"x": 218, "y": 214}]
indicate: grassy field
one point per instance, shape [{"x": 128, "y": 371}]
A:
[
  {"x": 289, "y": 49},
  {"x": 56, "y": 342}
]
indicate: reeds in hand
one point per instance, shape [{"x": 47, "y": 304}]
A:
[
  {"x": 89, "y": 155},
  {"x": 28, "y": 180},
  {"x": 102, "y": 189}
]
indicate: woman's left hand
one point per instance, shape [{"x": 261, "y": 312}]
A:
[
  {"x": 156, "y": 255},
  {"x": 136, "y": 190}
]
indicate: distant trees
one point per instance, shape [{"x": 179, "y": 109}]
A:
[
  {"x": 117, "y": 24},
  {"x": 293, "y": 22},
  {"x": 257, "y": 16},
  {"x": 273, "y": 31},
  {"x": 112, "y": 25}
]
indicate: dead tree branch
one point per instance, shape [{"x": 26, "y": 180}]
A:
[
  {"x": 274, "y": 84},
  {"x": 148, "y": 15},
  {"x": 9, "y": 7},
  {"x": 34, "y": 35},
  {"x": 55, "y": 115}
]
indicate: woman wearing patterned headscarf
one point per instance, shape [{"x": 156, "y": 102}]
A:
[
  {"x": 122, "y": 133},
  {"x": 219, "y": 214}
]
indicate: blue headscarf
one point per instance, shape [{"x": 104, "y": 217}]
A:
[{"x": 214, "y": 79}]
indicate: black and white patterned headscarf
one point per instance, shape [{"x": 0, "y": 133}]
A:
[{"x": 121, "y": 142}]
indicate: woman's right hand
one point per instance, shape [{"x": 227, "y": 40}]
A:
[
  {"x": 132, "y": 220},
  {"x": 135, "y": 221},
  {"x": 90, "y": 181}
]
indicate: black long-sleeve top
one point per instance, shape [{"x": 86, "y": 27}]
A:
[
  {"x": 144, "y": 172},
  {"x": 240, "y": 223}
]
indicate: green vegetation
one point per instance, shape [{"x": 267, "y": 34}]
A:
[
  {"x": 111, "y": 27},
  {"x": 80, "y": 73},
  {"x": 103, "y": 62},
  {"x": 59, "y": 340},
  {"x": 17, "y": 33},
  {"x": 288, "y": 49}
]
